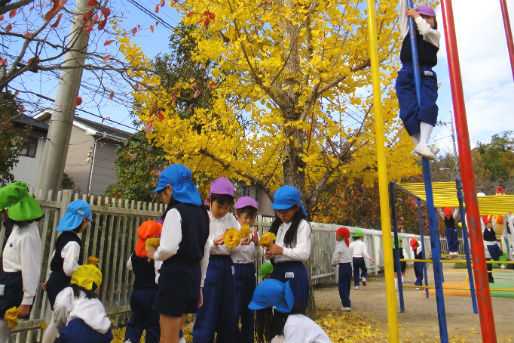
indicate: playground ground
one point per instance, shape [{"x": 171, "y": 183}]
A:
[{"x": 419, "y": 322}]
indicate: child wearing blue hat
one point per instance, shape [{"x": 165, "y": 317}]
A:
[
  {"x": 21, "y": 256},
  {"x": 217, "y": 313},
  {"x": 243, "y": 258},
  {"x": 183, "y": 249},
  {"x": 65, "y": 258},
  {"x": 278, "y": 319},
  {"x": 292, "y": 246}
]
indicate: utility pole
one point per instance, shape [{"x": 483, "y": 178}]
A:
[
  {"x": 59, "y": 132},
  {"x": 454, "y": 141}
]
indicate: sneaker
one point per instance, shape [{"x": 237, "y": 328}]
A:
[
  {"x": 364, "y": 282},
  {"x": 346, "y": 309},
  {"x": 357, "y": 287},
  {"x": 424, "y": 151},
  {"x": 182, "y": 340}
]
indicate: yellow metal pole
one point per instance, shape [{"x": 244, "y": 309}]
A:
[{"x": 392, "y": 317}]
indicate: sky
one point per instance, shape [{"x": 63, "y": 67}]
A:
[{"x": 486, "y": 71}]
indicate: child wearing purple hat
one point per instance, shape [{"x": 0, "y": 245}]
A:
[
  {"x": 216, "y": 315},
  {"x": 419, "y": 120},
  {"x": 243, "y": 258}
]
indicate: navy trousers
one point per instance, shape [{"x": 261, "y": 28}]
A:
[
  {"x": 144, "y": 316},
  {"x": 296, "y": 274},
  {"x": 244, "y": 285},
  {"x": 359, "y": 270},
  {"x": 344, "y": 281},
  {"x": 12, "y": 296},
  {"x": 452, "y": 239},
  {"x": 217, "y": 312},
  {"x": 418, "y": 271},
  {"x": 77, "y": 331},
  {"x": 410, "y": 112}
]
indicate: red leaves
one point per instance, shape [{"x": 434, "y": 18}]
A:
[
  {"x": 162, "y": 3},
  {"x": 108, "y": 42},
  {"x": 135, "y": 29},
  {"x": 88, "y": 15},
  {"x": 8, "y": 28},
  {"x": 136, "y": 86},
  {"x": 78, "y": 101},
  {"x": 212, "y": 84},
  {"x": 160, "y": 116},
  {"x": 53, "y": 11},
  {"x": 206, "y": 18},
  {"x": 27, "y": 35},
  {"x": 156, "y": 8},
  {"x": 149, "y": 126},
  {"x": 92, "y": 3},
  {"x": 105, "y": 11},
  {"x": 12, "y": 13},
  {"x": 1, "y": 17},
  {"x": 91, "y": 20},
  {"x": 174, "y": 99},
  {"x": 210, "y": 15},
  {"x": 197, "y": 93},
  {"x": 106, "y": 58},
  {"x": 111, "y": 96},
  {"x": 190, "y": 14},
  {"x": 56, "y": 22},
  {"x": 16, "y": 93},
  {"x": 151, "y": 28},
  {"x": 3, "y": 61}
]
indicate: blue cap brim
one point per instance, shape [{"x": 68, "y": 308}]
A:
[{"x": 254, "y": 306}]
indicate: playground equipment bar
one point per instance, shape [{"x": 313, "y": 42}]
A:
[
  {"x": 420, "y": 222},
  {"x": 485, "y": 308},
  {"x": 392, "y": 317},
  {"x": 508, "y": 33},
  {"x": 459, "y": 288},
  {"x": 454, "y": 261}
]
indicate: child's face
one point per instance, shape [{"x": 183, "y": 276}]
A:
[
  {"x": 339, "y": 238},
  {"x": 287, "y": 215},
  {"x": 83, "y": 227},
  {"x": 430, "y": 20},
  {"x": 165, "y": 194},
  {"x": 245, "y": 218},
  {"x": 489, "y": 225},
  {"x": 219, "y": 210}
]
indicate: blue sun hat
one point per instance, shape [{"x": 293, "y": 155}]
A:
[
  {"x": 286, "y": 197},
  {"x": 180, "y": 179},
  {"x": 77, "y": 210},
  {"x": 272, "y": 293}
]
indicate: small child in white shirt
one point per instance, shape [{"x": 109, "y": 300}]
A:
[
  {"x": 342, "y": 258},
  {"x": 359, "y": 251}
]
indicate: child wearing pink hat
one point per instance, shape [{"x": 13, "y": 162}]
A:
[
  {"x": 216, "y": 315},
  {"x": 418, "y": 120}
]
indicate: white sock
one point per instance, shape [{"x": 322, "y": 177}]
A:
[
  {"x": 5, "y": 331},
  {"x": 395, "y": 283},
  {"x": 415, "y": 138},
  {"x": 425, "y": 132}
]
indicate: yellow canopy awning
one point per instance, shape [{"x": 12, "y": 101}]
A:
[{"x": 445, "y": 195}]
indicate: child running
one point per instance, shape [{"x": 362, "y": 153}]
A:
[
  {"x": 418, "y": 255},
  {"x": 292, "y": 246},
  {"x": 21, "y": 256},
  {"x": 183, "y": 250},
  {"x": 79, "y": 308},
  {"x": 243, "y": 257},
  {"x": 277, "y": 319},
  {"x": 419, "y": 120},
  {"x": 142, "y": 300},
  {"x": 65, "y": 258},
  {"x": 217, "y": 313},
  {"x": 359, "y": 251},
  {"x": 342, "y": 257}
]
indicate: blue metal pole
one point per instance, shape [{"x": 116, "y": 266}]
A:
[
  {"x": 415, "y": 59},
  {"x": 422, "y": 237},
  {"x": 465, "y": 238},
  {"x": 436, "y": 253},
  {"x": 392, "y": 201}
]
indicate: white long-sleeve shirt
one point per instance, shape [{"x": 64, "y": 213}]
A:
[
  {"x": 299, "y": 328},
  {"x": 359, "y": 249},
  {"x": 70, "y": 254},
  {"x": 22, "y": 252},
  {"x": 62, "y": 307},
  {"x": 302, "y": 250},
  {"x": 217, "y": 227},
  {"x": 429, "y": 34},
  {"x": 342, "y": 253},
  {"x": 246, "y": 253},
  {"x": 171, "y": 236},
  {"x": 92, "y": 312}
]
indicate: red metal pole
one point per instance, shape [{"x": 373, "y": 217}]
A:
[
  {"x": 485, "y": 308},
  {"x": 508, "y": 33}
]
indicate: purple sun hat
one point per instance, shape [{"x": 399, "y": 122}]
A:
[
  {"x": 222, "y": 186},
  {"x": 245, "y": 202},
  {"x": 426, "y": 10}
]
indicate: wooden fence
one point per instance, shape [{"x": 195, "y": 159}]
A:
[{"x": 113, "y": 235}]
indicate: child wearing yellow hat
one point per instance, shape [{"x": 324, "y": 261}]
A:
[
  {"x": 144, "y": 292},
  {"x": 79, "y": 306},
  {"x": 21, "y": 256}
]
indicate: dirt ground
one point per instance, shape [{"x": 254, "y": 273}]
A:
[{"x": 419, "y": 322}]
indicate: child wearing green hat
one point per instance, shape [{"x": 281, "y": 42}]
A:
[
  {"x": 359, "y": 251},
  {"x": 21, "y": 256},
  {"x": 265, "y": 271}
]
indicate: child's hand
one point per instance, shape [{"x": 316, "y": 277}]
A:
[
  {"x": 24, "y": 311},
  {"x": 245, "y": 241},
  {"x": 150, "y": 251},
  {"x": 200, "y": 301},
  {"x": 43, "y": 286},
  {"x": 218, "y": 240},
  {"x": 372, "y": 260},
  {"x": 275, "y": 249},
  {"x": 411, "y": 12},
  {"x": 255, "y": 237}
]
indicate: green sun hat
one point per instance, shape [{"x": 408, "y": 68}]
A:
[
  {"x": 357, "y": 234},
  {"x": 399, "y": 242},
  {"x": 20, "y": 205},
  {"x": 266, "y": 268}
]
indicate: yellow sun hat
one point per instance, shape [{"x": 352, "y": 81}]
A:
[
  {"x": 231, "y": 238},
  {"x": 267, "y": 239},
  {"x": 86, "y": 275},
  {"x": 245, "y": 231}
]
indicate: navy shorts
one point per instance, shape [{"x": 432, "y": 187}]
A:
[
  {"x": 56, "y": 283},
  {"x": 179, "y": 288},
  {"x": 12, "y": 294}
]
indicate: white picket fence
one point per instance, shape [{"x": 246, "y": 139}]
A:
[{"x": 113, "y": 235}]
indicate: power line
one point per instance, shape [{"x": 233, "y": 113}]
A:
[{"x": 151, "y": 14}]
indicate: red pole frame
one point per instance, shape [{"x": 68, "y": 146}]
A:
[
  {"x": 485, "y": 308},
  {"x": 508, "y": 33}
]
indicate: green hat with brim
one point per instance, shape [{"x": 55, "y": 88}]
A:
[
  {"x": 266, "y": 269},
  {"x": 358, "y": 233},
  {"x": 20, "y": 205}
]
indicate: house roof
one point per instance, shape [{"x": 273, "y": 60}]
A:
[
  {"x": 24, "y": 120},
  {"x": 91, "y": 127}
]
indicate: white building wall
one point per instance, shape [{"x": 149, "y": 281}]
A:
[{"x": 27, "y": 168}]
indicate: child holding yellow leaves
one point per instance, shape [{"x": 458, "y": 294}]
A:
[{"x": 243, "y": 257}]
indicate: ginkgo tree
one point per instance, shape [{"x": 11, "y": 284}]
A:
[{"x": 291, "y": 94}]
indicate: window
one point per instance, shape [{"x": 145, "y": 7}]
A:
[{"x": 30, "y": 148}]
